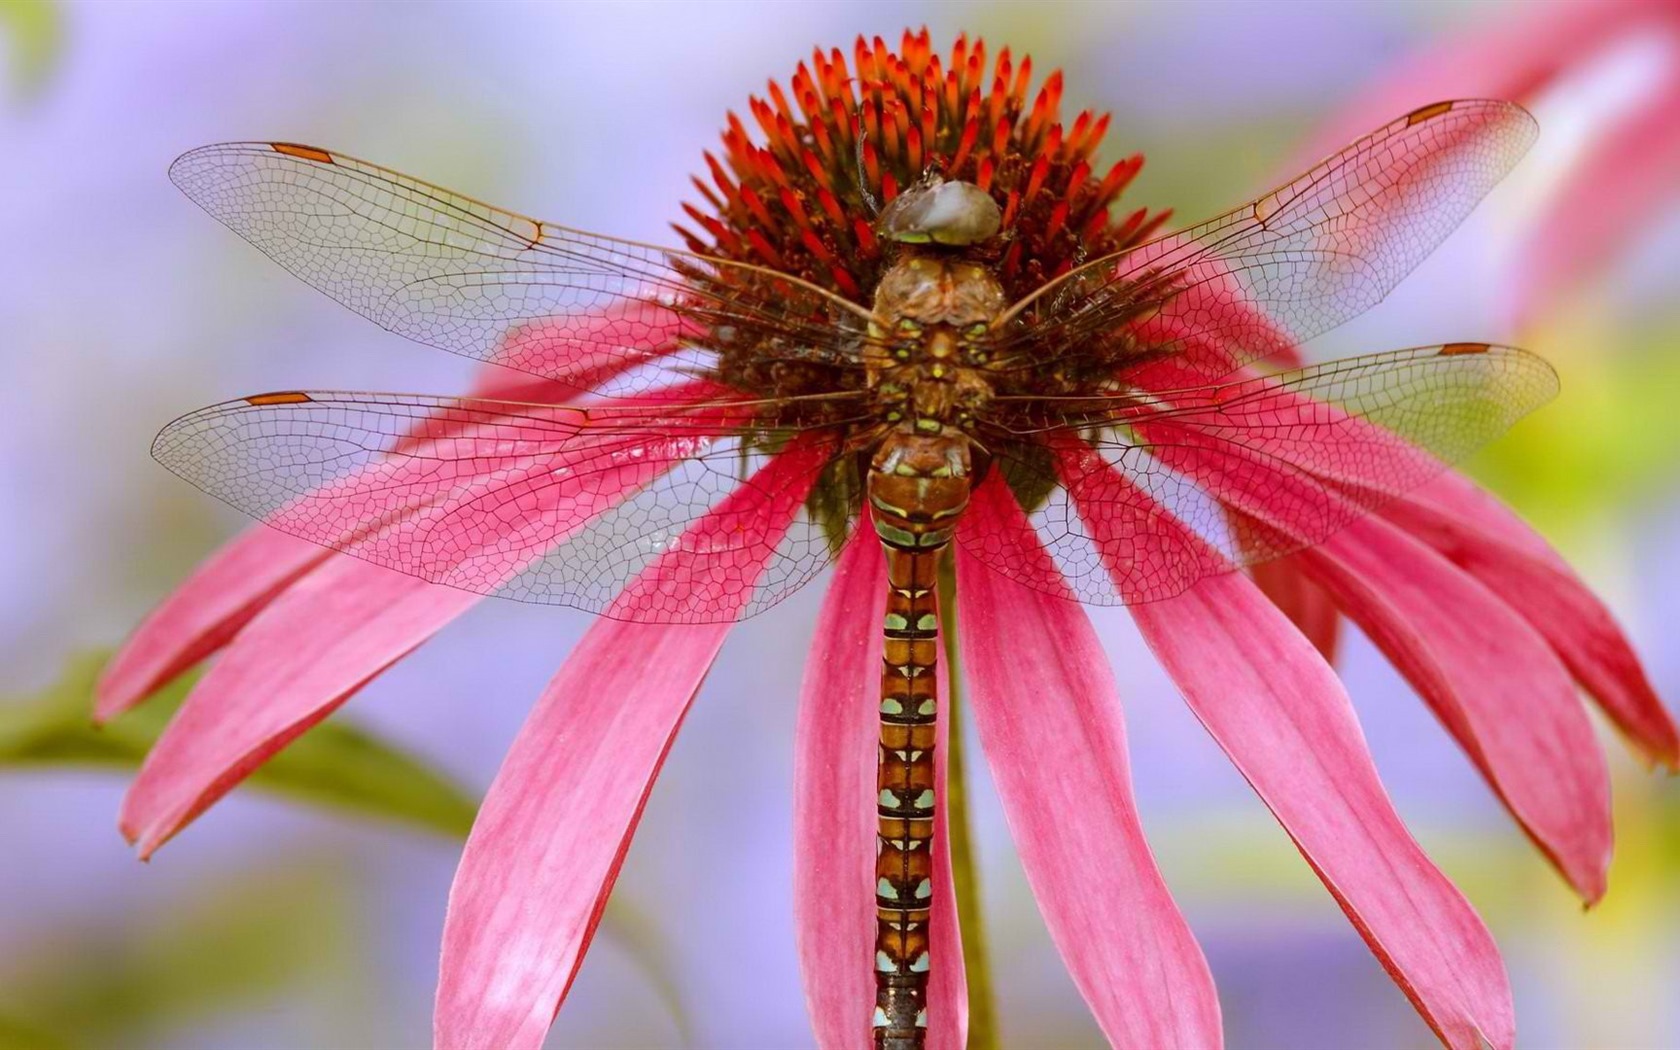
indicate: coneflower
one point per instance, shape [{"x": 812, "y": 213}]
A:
[{"x": 910, "y": 327}]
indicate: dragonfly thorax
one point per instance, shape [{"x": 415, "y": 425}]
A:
[{"x": 927, "y": 368}]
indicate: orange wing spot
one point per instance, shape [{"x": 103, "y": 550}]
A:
[
  {"x": 530, "y": 229},
  {"x": 290, "y": 149},
  {"x": 1265, "y": 208},
  {"x": 285, "y": 397},
  {"x": 1418, "y": 116},
  {"x": 1454, "y": 349}
]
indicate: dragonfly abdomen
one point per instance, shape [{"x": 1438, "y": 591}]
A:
[{"x": 918, "y": 489}]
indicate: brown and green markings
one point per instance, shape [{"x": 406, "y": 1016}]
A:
[
  {"x": 930, "y": 381},
  {"x": 917, "y": 489}
]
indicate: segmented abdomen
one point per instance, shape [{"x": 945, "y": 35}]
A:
[{"x": 917, "y": 490}]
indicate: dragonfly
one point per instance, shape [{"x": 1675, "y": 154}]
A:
[{"x": 666, "y": 397}]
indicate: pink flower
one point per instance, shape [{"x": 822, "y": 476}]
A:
[
  {"x": 1491, "y": 627},
  {"x": 1610, "y": 68}
]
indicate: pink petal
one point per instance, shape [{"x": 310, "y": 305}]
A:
[
  {"x": 579, "y": 353},
  {"x": 1039, "y": 684},
  {"x": 501, "y": 494},
  {"x": 338, "y": 627},
  {"x": 1546, "y": 768},
  {"x": 553, "y": 829},
  {"x": 1487, "y": 540},
  {"x": 202, "y": 614},
  {"x": 1456, "y": 495},
  {"x": 1276, "y": 708},
  {"x": 296, "y": 662},
  {"x": 835, "y": 825},
  {"x": 1279, "y": 712},
  {"x": 1148, "y": 552},
  {"x": 1610, "y": 198},
  {"x": 948, "y": 982},
  {"x": 711, "y": 570},
  {"x": 549, "y": 839},
  {"x": 1309, "y": 608},
  {"x": 1213, "y": 326},
  {"x": 833, "y": 781},
  {"x": 1509, "y": 58},
  {"x": 1491, "y": 679},
  {"x": 1283, "y": 470},
  {"x": 238, "y": 581},
  {"x": 1258, "y": 435},
  {"x": 1624, "y": 177}
]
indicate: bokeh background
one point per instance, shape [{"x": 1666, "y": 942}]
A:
[{"x": 278, "y": 921}]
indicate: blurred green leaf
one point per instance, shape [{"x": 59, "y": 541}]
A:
[
  {"x": 34, "y": 32},
  {"x": 21, "y": 1035},
  {"x": 205, "y": 951},
  {"x": 638, "y": 933},
  {"x": 334, "y": 764}
]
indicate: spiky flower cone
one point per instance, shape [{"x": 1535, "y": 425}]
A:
[{"x": 852, "y": 138}]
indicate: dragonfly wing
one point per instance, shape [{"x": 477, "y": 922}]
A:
[
  {"x": 455, "y": 273},
  {"x": 546, "y": 504},
  {"x": 1139, "y": 499},
  {"x": 1298, "y": 261}
]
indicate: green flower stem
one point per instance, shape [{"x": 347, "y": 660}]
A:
[{"x": 982, "y": 1017}]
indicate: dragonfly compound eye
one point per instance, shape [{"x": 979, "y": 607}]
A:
[{"x": 951, "y": 213}]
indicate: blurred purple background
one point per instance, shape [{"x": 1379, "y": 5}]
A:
[{"x": 122, "y": 306}]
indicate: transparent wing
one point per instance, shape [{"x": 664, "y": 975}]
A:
[
  {"x": 1286, "y": 267},
  {"x": 455, "y": 273},
  {"x": 1190, "y": 480},
  {"x": 545, "y": 504}
]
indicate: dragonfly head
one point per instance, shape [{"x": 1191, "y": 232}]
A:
[{"x": 956, "y": 214}]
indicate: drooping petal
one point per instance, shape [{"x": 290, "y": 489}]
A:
[
  {"x": 1214, "y": 327},
  {"x": 203, "y": 614},
  {"x": 833, "y": 783},
  {"x": 1280, "y": 713},
  {"x": 1486, "y": 539},
  {"x": 554, "y": 827},
  {"x": 1609, "y": 198},
  {"x": 238, "y": 581},
  {"x": 332, "y": 631},
  {"x": 1049, "y": 717},
  {"x": 478, "y": 497},
  {"x": 1292, "y": 458},
  {"x": 1290, "y": 489},
  {"x": 1632, "y": 151},
  {"x": 547, "y": 844},
  {"x": 575, "y": 354},
  {"x": 835, "y": 825},
  {"x": 1547, "y": 768},
  {"x": 1308, "y": 607},
  {"x": 948, "y": 983},
  {"x": 1276, "y": 708},
  {"x": 296, "y": 662},
  {"x": 1458, "y": 495},
  {"x": 308, "y": 652},
  {"x": 1510, "y": 58},
  {"x": 1491, "y": 679}
]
